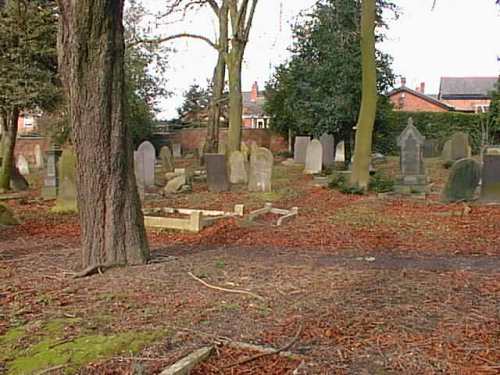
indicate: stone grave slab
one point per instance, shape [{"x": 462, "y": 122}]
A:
[{"x": 217, "y": 177}]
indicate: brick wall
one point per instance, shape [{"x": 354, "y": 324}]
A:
[
  {"x": 191, "y": 139},
  {"x": 412, "y": 103},
  {"x": 467, "y": 104}
]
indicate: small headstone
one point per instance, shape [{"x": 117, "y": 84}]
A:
[
  {"x": 175, "y": 185},
  {"x": 300, "y": 149},
  {"x": 39, "y": 164},
  {"x": 177, "y": 150},
  {"x": 446, "y": 153},
  {"x": 314, "y": 157},
  {"x": 261, "y": 170},
  {"x": 66, "y": 194},
  {"x": 460, "y": 148},
  {"x": 463, "y": 181},
  {"x": 490, "y": 187},
  {"x": 431, "y": 148},
  {"x": 22, "y": 165},
  {"x": 253, "y": 147},
  {"x": 238, "y": 168},
  {"x": 222, "y": 148},
  {"x": 166, "y": 159},
  {"x": 340, "y": 152},
  {"x": 328, "y": 144},
  {"x": 217, "y": 178},
  {"x": 51, "y": 180},
  {"x": 145, "y": 163},
  {"x": 245, "y": 150}
]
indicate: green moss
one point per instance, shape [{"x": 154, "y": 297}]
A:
[
  {"x": 50, "y": 347},
  {"x": 6, "y": 216}
]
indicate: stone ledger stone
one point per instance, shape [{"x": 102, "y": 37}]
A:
[
  {"x": 238, "y": 173},
  {"x": 217, "y": 177},
  {"x": 261, "y": 170},
  {"x": 490, "y": 187},
  {"x": 166, "y": 159},
  {"x": 463, "y": 181},
  {"x": 145, "y": 159},
  {"x": 314, "y": 157},
  {"x": 300, "y": 149},
  {"x": 328, "y": 144}
]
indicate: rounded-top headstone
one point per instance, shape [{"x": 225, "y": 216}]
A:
[
  {"x": 261, "y": 170},
  {"x": 237, "y": 168},
  {"x": 314, "y": 157},
  {"x": 463, "y": 180},
  {"x": 22, "y": 165},
  {"x": 460, "y": 146},
  {"x": 167, "y": 160},
  {"x": 145, "y": 159}
]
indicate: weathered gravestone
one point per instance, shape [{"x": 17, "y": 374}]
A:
[
  {"x": 261, "y": 170},
  {"x": 51, "y": 179},
  {"x": 222, "y": 148},
  {"x": 431, "y": 148},
  {"x": 300, "y": 149},
  {"x": 166, "y": 159},
  {"x": 145, "y": 164},
  {"x": 39, "y": 164},
  {"x": 340, "y": 152},
  {"x": 490, "y": 187},
  {"x": 463, "y": 181},
  {"x": 217, "y": 178},
  {"x": 66, "y": 193},
  {"x": 314, "y": 157},
  {"x": 22, "y": 165},
  {"x": 328, "y": 144},
  {"x": 460, "y": 148},
  {"x": 177, "y": 150},
  {"x": 446, "y": 153},
  {"x": 245, "y": 150},
  {"x": 412, "y": 178},
  {"x": 238, "y": 168}
]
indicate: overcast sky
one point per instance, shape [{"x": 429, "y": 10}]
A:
[{"x": 458, "y": 38}]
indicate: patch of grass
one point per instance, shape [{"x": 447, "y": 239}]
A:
[
  {"x": 380, "y": 183},
  {"x": 220, "y": 264},
  {"x": 51, "y": 348},
  {"x": 363, "y": 216}
]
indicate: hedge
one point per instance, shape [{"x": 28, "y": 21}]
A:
[{"x": 433, "y": 125}]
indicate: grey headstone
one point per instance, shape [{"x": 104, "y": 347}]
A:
[
  {"x": 340, "y": 152},
  {"x": 314, "y": 157},
  {"x": 51, "y": 179},
  {"x": 261, "y": 170},
  {"x": 217, "y": 178},
  {"x": 66, "y": 194},
  {"x": 490, "y": 187},
  {"x": 328, "y": 144},
  {"x": 463, "y": 181},
  {"x": 411, "y": 143},
  {"x": 300, "y": 149},
  {"x": 446, "y": 153},
  {"x": 145, "y": 163},
  {"x": 245, "y": 150},
  {"x": 238, "y": 168},
  {"x": 22, "y": 165},
  {"x": 177, "y": 150},
  {"x": 166, "y": 159},
  {"x": 460, "y": 148},
  {"x": 431, "y": 148},
  {"x": 39, "y": 162}
]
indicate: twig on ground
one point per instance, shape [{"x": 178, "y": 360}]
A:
[
  {"x": 260, "y": 355},
  {"x": 50, "y": 369},
  {"x": 238, "y": 291}
]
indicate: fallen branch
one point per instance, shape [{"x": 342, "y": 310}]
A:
[
  {"x": 89, "y": 271},
  {"x": 260, "y": 355},
  {"x": 50, "y": 369},
  {"x": 237, "y": 291}
]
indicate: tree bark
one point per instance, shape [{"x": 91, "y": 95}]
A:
[
  {"x": 363, "y": 145},
  {"x": 235, "y": 99},
  {"x": 9, "y": 134},
  {"x": 91, "y": 56}
]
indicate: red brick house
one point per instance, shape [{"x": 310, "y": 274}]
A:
[
  {"x": 408, "y": 100},
  {"x": 254, "y": 116},
  {"x": 467, "y": 94}
]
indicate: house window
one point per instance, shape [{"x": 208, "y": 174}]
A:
[
  {"x": 481, "y": 108},
  {"x": 260, "y": 124},
  {"x": 28, "y": 121}
]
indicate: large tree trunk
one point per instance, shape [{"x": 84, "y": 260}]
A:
[
  {"x": 9, "y": 134},
  {"x": 235, "y": 99},
  {"x": 91, "y": 49},
  {"x": 363, "y": 145}
]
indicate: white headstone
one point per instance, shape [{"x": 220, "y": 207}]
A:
[
  {"x": 22, "y": 165},
  {"x": 300, "y": 149},
  {"x": 145, "y": 163},
  {"x": 237, "y": 168},
  {"x": 176, "y": 150},
  {"x": 340, "y": 152},
  {"x": 314, "y": 157},
  {"x": 328, "y": 144},
  {"x": 261, "y": 170},
  {"x": 39, "y": 163}
]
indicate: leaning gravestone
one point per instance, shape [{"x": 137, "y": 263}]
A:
[
  {"x": 238, "y": 168},
  {"x": 22, "y": 165},
  {"x": 460, "y": 148},
  {"x": 412, "y": 178},
  {"x": 328, "y": 144},
  {"x": 177, "y": 150},
  {"x": 145, "y": 163},
  {"x": 490, "y": 187},
  {"x": 463, "y": 180},
  {"x": 51, "y": 180},
  {"x": 314, "y": 157},
  {"x": 38, "y": 157},
  {"x": 66, "y": 194},
  {"x": 166, "y": 159},
  {"x": 217, "y": 178},
  {"x": 261, "y": 170},
  {"x": 340, "y": 152},
  {"x": 300, "y": 149}
]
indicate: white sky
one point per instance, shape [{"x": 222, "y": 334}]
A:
[{"x": 458, "y": 38}]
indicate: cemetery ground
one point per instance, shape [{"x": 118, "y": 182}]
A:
[{"x": 352, "y": 285}]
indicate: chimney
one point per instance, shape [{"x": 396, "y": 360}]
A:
[
  {"x": 403, "y": 81},
  {"x": 422, "y": 87},
  {"x": 255, "y": 92}
]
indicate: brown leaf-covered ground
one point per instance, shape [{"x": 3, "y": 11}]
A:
[{"x": 372, "y": 285}]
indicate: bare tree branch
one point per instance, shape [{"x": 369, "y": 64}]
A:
[{"x": 176, "y": 36}]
